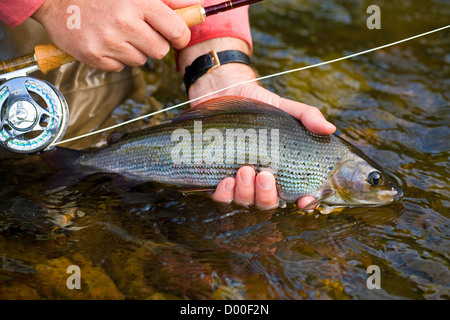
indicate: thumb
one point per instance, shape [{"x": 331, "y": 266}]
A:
[{"x": 178, "y": 4}]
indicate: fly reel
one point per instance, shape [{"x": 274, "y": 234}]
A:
[{"x": 33, "y": 115}]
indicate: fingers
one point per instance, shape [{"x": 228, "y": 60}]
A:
[
  {"x": 261, "y": 190},
  {"x": 113, "y": 57},
  {"x": 134, "y": 34},
  {"x": 247, "y": 190},
  {"x": 107, "y": 64},
  {"x": 225, "y": 191},
  {"x": 266, "y": 196},
  {"x": 129, "y": 55},
  {"x": 310, "y": 116},
  {"x": 178, "y": 4},
  {"x": 148, "y": 41},
  {"x": 164, "y": 20},
  {"x": 303, "y": 203},
  {"x": 245, "y": 187}
]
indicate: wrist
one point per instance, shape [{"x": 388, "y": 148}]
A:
[
  {"x": 222, "y": 77},
  {"x": 41, "y": 12},
  {"x": 187, "y": 55}
]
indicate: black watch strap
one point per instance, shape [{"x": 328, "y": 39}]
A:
[{"x": 209, "y": 62}]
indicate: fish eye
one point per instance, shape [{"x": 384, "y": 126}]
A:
[{"x": 374, "y": 178}]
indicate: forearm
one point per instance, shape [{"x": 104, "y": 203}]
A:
[
  {"x": 221, "y": 77},
  {"x": 14, "y": 12}
]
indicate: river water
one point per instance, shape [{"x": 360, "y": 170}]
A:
[{"x": 152, "y": 242}]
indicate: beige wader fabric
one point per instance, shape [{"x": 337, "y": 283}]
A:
[{"x": 91, "y": 94}]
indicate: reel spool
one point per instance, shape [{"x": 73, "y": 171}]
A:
[{"x": 33, "y": 115}]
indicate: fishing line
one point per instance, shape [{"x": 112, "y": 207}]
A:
[{"x": 249, "y": 81}]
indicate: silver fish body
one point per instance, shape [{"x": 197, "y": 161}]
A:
[{"x": 198, "y": 149}]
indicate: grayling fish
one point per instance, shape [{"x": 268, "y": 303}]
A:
[{"x": 212, "y": 141}]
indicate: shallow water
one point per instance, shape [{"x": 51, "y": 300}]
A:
[{"x": 153, "y": 242}]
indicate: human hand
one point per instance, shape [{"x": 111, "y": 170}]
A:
[
  {"x": 115, "y": 33},
  {"x": 248, "y": 188},
  {"x": 310, "y": 116}
]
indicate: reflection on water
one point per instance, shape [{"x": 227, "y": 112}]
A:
[{"x": 150, "y": 241}]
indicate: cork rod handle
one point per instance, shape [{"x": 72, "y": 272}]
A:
[
  {"x": 192, "y": 15},
  {"x": 50, "y": 57}
]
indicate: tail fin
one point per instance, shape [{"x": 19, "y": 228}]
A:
[
  {"x": 61, "y": 158},
  {"x": 65, "y": 162}
]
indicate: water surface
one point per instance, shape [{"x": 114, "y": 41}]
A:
[{"x": 152, "y": 242}]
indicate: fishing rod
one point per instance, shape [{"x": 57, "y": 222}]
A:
[{"x": 34, "y": 114}]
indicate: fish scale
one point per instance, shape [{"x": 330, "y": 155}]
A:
[{"x": 305, "y": 160}]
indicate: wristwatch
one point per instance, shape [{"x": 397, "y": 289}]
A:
[{"x": 210, "y": 61}]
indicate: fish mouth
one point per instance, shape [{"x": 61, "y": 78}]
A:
[{"x": 390, "y": 195}]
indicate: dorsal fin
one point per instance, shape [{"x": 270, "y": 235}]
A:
[
  {"x": 115, "y": 136},
  {"x": 229, "y": 105},
  {"x": 216, "y": 106}
]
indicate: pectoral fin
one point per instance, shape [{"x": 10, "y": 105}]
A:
[
  {"x": 192, "y": 190},
  {"x": 281, "y": 203},
  {"x": 115, "y": 137},
  {"x": 325, "y": 194},
  {"x": 324, "y": 209}
]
